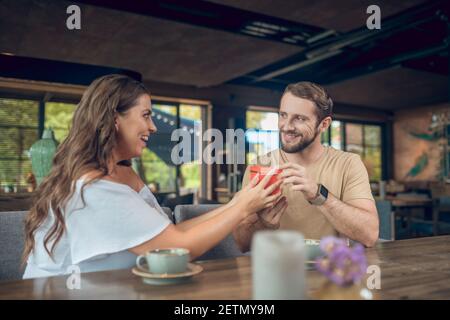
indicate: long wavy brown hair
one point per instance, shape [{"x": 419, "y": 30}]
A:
[{"x": 88, "y": 147}]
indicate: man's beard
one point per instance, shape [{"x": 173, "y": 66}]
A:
[{"x": 300, "y": 146}]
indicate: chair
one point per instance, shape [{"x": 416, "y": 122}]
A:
[
  {"x": 162, "y": 196},
  {"x": 12, "y": 244},
  {"x": 227, "y": 248},
  {"x": 173, "y": 202},
  {"x": 387, "y": 220},
  {"x": 439, "y": 223},
  {"x": 207, "y": 201},
  {"x": 169, "y": 213},
  {"x": 441, "y": 208}
]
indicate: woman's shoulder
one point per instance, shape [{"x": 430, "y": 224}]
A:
[
  {"x": 101, "y": 196},
  {"x": 94, "y": 184}
]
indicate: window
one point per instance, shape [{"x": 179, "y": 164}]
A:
[
  {"x": 365, "y": 140},
  {"x": 372, "y": 151},
  {"x": 354, "y": 138},
  {"x": 262, "y": 133},
  {"x": 325, "y": 138},
  {"x": 158, "y": 166},
  {"x": 58, "y": 116},
  {"x": 336, "y": 135},
  {"x": 191, "y": 172},
  {"x": 18, "y": 131},
  {"x": 361, "y": 138}
]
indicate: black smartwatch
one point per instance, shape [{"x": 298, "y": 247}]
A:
[{"x": 321, "y": 196}]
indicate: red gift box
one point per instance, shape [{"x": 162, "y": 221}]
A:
[{"x": 263, "y": 171}]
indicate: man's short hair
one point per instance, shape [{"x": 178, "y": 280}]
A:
[{"x": 314, "y": 93}]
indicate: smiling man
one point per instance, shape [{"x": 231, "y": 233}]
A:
[{"x": 327, "y": 190}]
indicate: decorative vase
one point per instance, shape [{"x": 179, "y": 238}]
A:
[{"x": 41, "y": 153}]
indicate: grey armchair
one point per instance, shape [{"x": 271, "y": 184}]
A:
[
  {"x": 169, "y": 213},
  {"x": 387, "y": 220},
  {"x": 12, "y": 243}
]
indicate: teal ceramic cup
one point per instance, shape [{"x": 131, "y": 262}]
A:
[{"x": 174, "y": 260}]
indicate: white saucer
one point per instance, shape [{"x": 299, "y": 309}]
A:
[{"x": 167, "y": 278}]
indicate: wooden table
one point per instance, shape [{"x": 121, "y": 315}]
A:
[{"x": 410, "y": 269}]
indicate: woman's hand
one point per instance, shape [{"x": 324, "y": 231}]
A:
[
  {"x": 235, "y": 198},
  {"x": 255, "y": 197},
  {"x": 270, "y": 217}
]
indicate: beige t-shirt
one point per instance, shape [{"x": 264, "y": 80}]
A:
[{"x": 342, "y": 173}]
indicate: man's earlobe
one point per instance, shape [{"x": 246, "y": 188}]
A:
[{"x": 327, "y": 123}]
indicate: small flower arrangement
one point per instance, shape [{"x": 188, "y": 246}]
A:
[{"x": 341, "y": 264}]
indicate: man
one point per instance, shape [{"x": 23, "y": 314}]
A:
[{"x": 327, "y": 190}]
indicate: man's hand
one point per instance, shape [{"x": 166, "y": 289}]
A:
[
  {"x": 270, "y": 217},
  {"x": 297, "y": 175}
]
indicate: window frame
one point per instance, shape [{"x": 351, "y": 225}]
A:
[
  {"x": 205, "y": 172},
  {"x": 256, "y": 109},
  {"x": 206, "y": 106},
  {"x": 383, "y": 139}
]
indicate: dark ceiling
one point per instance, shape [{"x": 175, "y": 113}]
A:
[
  {"x": 342, "y": 16},
  {"x": 258, "y": 43},
  {"x": 161, "y": 50}
]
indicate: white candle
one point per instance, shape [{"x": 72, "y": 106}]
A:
[{"x": 278, "y": 265}]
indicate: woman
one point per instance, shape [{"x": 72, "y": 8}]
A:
[{"x": 93, "y": 211}]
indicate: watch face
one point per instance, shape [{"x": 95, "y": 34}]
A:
[{"x": 323, "y": 191}]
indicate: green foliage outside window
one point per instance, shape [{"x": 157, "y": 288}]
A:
[
  {"x": 18, "y": 131},
  {"x": 58, "y": 116},
  {"x": 157, "y": 171}
]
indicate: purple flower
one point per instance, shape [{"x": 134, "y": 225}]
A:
[
  {"x": 341, "y": 264},
  {"x": 327, "y": 244}
]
